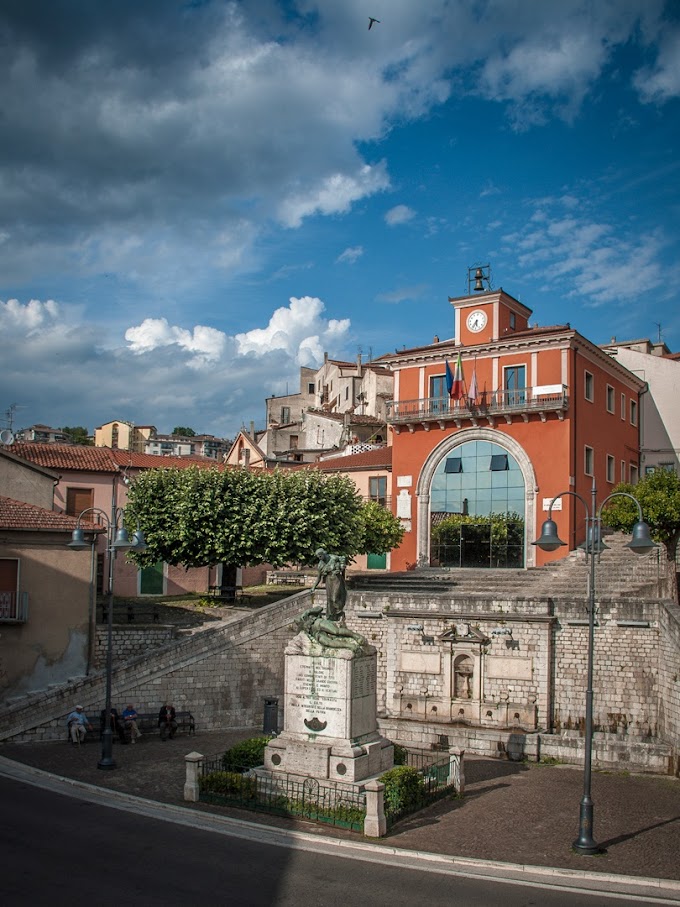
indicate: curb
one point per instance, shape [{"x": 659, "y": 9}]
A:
[{"x": 659, "y": 891}]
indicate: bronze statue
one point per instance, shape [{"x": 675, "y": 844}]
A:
[
  {"x": 332, "y": 570},
  {"x": 329, "y": 633}
]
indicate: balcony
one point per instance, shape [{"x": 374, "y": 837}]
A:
[
  {"x": 489, "y": 408},
  {"x": 13, "y": 607}
]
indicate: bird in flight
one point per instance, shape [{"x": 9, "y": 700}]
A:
[{"x": 371, "y": 20}]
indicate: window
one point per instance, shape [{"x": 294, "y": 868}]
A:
[
  {"x": 667, "y": 467},
  {"x": 512, "y": 321},
  {"x": 649, "y": 470},
  {"x": 611, "y": 469},
  {"x": 13, "y": 603},
  {"x": 610, "y": 399},
  {"x": 633, "y": 412},
  {"x": 310, "y": 387},
  {"x": 294, "y": 442},
  {"x": 623, "y": 406},
  {"x": 114, "y": 435},
  {"x": 377, "y": 489},
  {"x": 499, "y": 463},
  {"x": 588, "y": 386},
  {"x": 623, "y": 471},
  {"x": 453, "y": 465},
  {"x": 347, "y": 393},
  {"x": 439, "y": 395},
  {"x": 588, "y": 456},
  {"x": 514, "y": 383},
  {"x": 285, "y": 414},
  {"x": 633, "y": 473},
  {"x": 79, "y": 499}
]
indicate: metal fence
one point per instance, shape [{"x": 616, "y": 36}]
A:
[
  {"x": 432, "y": 778},
  {"x": 281, "y": 795}
]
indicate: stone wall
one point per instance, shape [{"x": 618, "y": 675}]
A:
[
  {"x": 130, "y": 642},
  {"x": 221, "y": 675}
]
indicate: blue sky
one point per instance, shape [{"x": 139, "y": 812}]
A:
[{"x": 198, "y": 198}]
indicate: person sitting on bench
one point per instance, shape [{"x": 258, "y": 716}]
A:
[
  {"x": 78, "y": 725},
  {"x": 167, "y": 721},
  {"x": 129, "y": 717}
]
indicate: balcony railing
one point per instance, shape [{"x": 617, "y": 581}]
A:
[
  {"x": 491, "y": 405},
  {"x": 13, "y": 607}
]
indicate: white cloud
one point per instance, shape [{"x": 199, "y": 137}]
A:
[
  {"x": 403, "y": 293},
  {"x": 350, "y": 255},
  {"x": 298, "y": 330},
  {"x": 29, "y": 317},
  {"x": 400, "y": 214},
  {"x": 333, "y": 194},
  {"x": 206, "y": 343},
  {"x": 661, "y": 82},
  {"x": 599, "y": 262}
]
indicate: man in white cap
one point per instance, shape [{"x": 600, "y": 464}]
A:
[{"x": 78, "y": 725}]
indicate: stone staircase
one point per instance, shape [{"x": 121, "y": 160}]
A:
[{"x": 619, "y": 574}]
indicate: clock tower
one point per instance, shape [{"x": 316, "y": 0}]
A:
[{"x": 487, "y": 315}]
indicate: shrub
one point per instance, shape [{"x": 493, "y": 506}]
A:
[
  {"x": 400, "y": 754},
  {"x": 245, "y": 755},
  {"x": 228, "y": 783},
  {"x": 404, "y": 788}
]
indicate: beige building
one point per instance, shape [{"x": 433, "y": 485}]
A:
[
  {"x": 659, "y": 412},
  {"x": 46, "y": 617},
  {"x": 121, "y": 435}
]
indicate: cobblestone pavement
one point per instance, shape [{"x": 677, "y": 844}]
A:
[{"x": 512, "y": 812}]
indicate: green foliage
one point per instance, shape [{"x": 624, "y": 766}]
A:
[
  {"x": 245, "y": 755},
  {"x": 659, "y": 497},
  {"x": 506, "y": 528},
  {"x": 404, "y": 788},
  {"x": 197, "y": 517},
  {"x": 184, "y": 432},
  {"x": 77, "y": 435},
  {"x": 380, "y": 530},
  {"x": 400, "y": 754},
  {"x": 228, "y": 783}
]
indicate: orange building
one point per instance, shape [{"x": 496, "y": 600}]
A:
[{"x": 524, "y": 413}]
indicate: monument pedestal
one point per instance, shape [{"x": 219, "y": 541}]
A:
[{"x": 330, "y": 717}]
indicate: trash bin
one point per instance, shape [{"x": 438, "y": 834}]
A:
[{"x": 271, "y": 715}]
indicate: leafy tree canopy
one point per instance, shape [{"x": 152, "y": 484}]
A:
[
  {"x": 183, "y": 431},
  {"x": 659, "y": 497},
  {"x": 197, "y": 517},
  {"x": 77, "y": 435}
]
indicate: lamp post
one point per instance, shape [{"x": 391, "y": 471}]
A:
[
  {"x": 117, "y": 539},
  {"x": 640, "y": 543}
]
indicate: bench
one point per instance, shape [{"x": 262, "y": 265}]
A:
[
  {"x": 286, "y": 578},
  {"x": 146, "y": 722},
  {"x": 228, "y": 593}
]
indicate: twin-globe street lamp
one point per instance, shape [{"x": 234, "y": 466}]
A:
[
  {"x": 640, "y": 543},
  {"x": 117, "y": 539}
]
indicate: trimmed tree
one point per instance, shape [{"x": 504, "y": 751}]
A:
[
  {"x": 198, "y": 517},
  {"x": 659, "y": 497}
]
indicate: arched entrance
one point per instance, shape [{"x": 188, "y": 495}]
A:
[{"x": 476, "y": 502}]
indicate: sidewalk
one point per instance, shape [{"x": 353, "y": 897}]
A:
[{"x": 515, "y": 813}]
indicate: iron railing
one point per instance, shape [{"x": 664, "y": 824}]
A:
[
  {"x": 13, "y": 607},
  {"x": 540, "y": 399},
  {"x": 282, "y": 795},
  {"x": 435, "y": 780}
]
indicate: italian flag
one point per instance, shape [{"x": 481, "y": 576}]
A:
[{"x": 457, "y": 392}]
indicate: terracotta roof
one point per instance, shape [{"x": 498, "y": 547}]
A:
[
  {"x": 379, "y": 458},
  {"x": 100, "y": 459},
  {"x": 29, "y": 518}
]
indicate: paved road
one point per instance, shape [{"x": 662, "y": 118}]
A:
[{"x": 63, "y": 850}]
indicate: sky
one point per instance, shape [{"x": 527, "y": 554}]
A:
[{"x": 199, "y": 197}]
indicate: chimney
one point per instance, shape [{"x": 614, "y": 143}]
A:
[{"x": 252, "y": 430}]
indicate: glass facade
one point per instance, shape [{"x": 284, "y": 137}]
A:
[{"x": 483, "y": 478}]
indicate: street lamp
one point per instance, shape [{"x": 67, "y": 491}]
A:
[
  {"x": 117, "y": 539},
  {"x": 640, "y": 543}
]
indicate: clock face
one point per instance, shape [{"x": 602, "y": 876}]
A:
[{"x": 476, "y": 321}]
